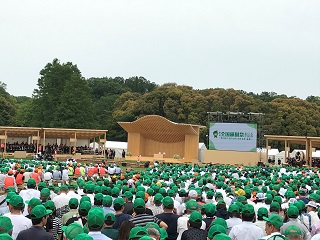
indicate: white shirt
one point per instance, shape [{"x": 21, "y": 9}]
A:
[
  {"x": 231, "y": 222},
  {"x": 19, "y": 223},
  {"x": 261, "y": 224},
  {"x": 182, "y": 225},
  {"x": 98, "y": 236},
  {"x": 47, "y": 176},
  {"x": 314, "y": 217},
  {"x": 65, "y": 174},
  {"x": 111, "y": 170},
  {"x": 61, "y": 200},
  {"x": 72, "y": 194},
  {"x": 27, "y": 195},
  {"x": 246, "y": 231},
  {"x": 272, "y": 234}
]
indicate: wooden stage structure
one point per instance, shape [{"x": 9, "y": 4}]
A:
[
  {"x": 309, "y": 142},
  {"x": 155, "y": 138},
  {"x": 38, "y": 136}
]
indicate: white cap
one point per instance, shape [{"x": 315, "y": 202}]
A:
[
  {"x": 209, "y": 185},
  {"x": 260, "y": 196},
  {"x": 312, "y": 204},
  {"x": 193, "y": 194}
]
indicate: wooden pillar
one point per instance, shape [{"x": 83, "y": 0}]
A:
[
  {"x": 285, "y": 151},
  {"x": 44, "y": 138},
  {"x": 38, "y": 143},
  {"x": 5, "y": 143},
  {"x": 310, "y": 154},
  {"x": 99, "y": 144},
  {"x": 267, "y": 148}
]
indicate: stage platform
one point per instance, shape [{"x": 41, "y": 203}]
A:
[{"x": 160, "y": 160}]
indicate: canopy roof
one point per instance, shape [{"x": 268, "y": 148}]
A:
[
  {"x": 51, "y": 132},
  {"x": 295, "y": 139},
  {"x": 160, "y": 129}
]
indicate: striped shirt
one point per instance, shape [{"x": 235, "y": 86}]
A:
[
  {"x": 54, "y": 223},
  {"x": 143, "y": 219}
]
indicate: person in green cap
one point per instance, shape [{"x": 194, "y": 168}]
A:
[
  {"x": 234, "y": 216},
  {"x": 30, "y": 192},
  {"x": 31, "y": 204},
  {"x": 141, "y": 218},
  {"x": 293, "y": 233},
  {"x": 182, "y": 225},
  {"x": 292, "y": 214},
  {"x": 137, "y": 232},
  {"x": 95, "y": 223},
  {"x": 194, "y": 225},
  {"x": 19, "y": 222},
  {"x": 5, "y": 225},
  {"x": 247, "y": 229},
  {"x": 72, "y": 230},
  {"x": 39, "y": 216},
  {"x": 118, "y": 205},
  {"x": 109, "y": 231},
  {"x": 261, "y": 223},
  {"x": 157, "y": 208},
  {"x": 73, "y": 212},
  {"x": 273, "y": 225},
  {"x": 221, "y": 236},
  {"x": 5, "y": 236}
]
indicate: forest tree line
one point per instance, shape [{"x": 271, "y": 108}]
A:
[{"x": 63, "y": 98}]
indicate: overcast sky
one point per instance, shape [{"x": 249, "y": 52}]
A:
[{"x": 270, "y": 45}]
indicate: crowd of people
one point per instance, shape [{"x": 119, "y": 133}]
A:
[{"x": 70, "y": 200}]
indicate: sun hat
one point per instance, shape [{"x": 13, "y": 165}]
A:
[
  {"x": 39, "y": 211},
  {"x": 275, "y": 220},
  {"x": 72, "y": 230},
  {"x": 5, "y": 224}
]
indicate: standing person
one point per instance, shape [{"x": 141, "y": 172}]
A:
[
  {"x": 2, "y": 176},
  {"x": 170, "y": 218},
  {"x": 194, "y": 231},
  {"x": 19, "y": 222},
  {"x": 273, "y": 225},
  {"x": 65, "y": 175},
  {"x": 39, "y": 216},
  {"x": 246, "y": 230}
]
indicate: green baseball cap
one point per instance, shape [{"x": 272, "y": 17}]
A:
[
  {"x": 192, "y": 205},
  {"x": 146, "y": 238},
  {"x": 107, "y": 200},
  {"x": 210, "y": 208},
  {"x": 45, "y": 192},
  {"x": 33, "y": 202},
  {"x": 221, "y": 236},
  {"x": 139, "y": 203},
  {"x": 98, "y": 196},
  {"x": 275, "y": 204},
  {"x": 31, "y": 183},
  {"x": 49, "y": 205},
  {"x": 39, "y": 211},
  {"x": 64, "y": 188},
  {"x": 293, "y": 230},
  {"x": 5, "y": 236},
  {"x": 168, "y": 202},
  {"x": 293, "y": 211},
  {"x": 5, "y": 224},
  {"x": 83, "y": 236},
  {"x": 263, "y": 212},
  {"x": 72, "y": 230},
  {"x": 275, "y": 220},
  {"x": 85, "y": 206},
  {"x": 248, "y": 208},
  {"x": 233, "y": 208},
  {"x": 73, "y": 203},
  {"x": 158, "y": 198},
  {"x": 216, "y": 229},
  {"x": 110, "y": 217},
  {"x": 16, "y": 201},
  {"x": 9, "y": 196},
  {"x": 195, "y": 217},
  {"x": 95, "y": 217},
  {"x": 128, "y": 194},
  {"x": 119, "y": 201},
  {"x": 137, "y": 232}
]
